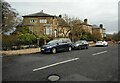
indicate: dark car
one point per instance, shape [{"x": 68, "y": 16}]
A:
[
  {"x": 56, "y": 45},
  {"x": 81, "y": 44}
]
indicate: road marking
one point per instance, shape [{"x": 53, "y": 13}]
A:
[
  {"x": 55, "y": 64},
  {"x": 99, "y": 53}
]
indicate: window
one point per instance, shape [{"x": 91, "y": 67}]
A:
[
  {"x": 48, "y": 30},
  {"x": 33, "y": 21},
  {"x": 43, "y": 21}
]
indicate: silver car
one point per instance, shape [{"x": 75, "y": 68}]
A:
[{"x": 81, "y": 44}]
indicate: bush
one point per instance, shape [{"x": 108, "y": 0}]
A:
[{"x": 26, "y": 38}]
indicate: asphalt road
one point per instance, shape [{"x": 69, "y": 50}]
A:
[{"x": 93, "y": 64}]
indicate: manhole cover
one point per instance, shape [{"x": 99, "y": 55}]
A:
[{"x": 53, "y": 77}]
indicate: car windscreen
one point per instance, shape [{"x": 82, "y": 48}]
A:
[
  {"x": 52, "y": 42},
  {"x": 99, "y": 41},
  {"x": 78, "y": 42}
]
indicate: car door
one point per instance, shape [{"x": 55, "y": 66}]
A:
[
  {"x": 64, "y": 44},
  {"x": 85, "y": 43},
  {"x": 82, "y": 44},
  {"x": 60, "y": 46}
]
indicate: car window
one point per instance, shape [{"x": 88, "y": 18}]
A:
[
  {"x": 99, "y": 41},
  {"x": 60, "y": 41},
  {"x": 68, "y": 40},
  {"x": 83, "y": 42},
  {"x": 52, "y": 42},
  {"x": 78, "y": 42},
  {"x": 64, "y": 41}
]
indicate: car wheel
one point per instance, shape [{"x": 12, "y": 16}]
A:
[
  {"x": 70, "y": 48},
  {"x": 79, "y": 48},
  {"x": 54, "y": 50}
]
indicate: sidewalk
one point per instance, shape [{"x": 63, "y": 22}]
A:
[
  {"x": 26, "y": 51},
  {"x": 20, "y": 52}
]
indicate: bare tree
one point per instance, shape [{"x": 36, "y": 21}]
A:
[
  {"x": 96, "y": 36},
  {"x": 75, "y": 26}
]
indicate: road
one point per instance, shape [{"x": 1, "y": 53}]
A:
[{"x": 93, "y": 64}]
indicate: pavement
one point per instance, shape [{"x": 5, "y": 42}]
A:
[
  {"x": 20, "y": 52},
  {"x": 93, "y": 64},
  {"x": 25, "y": 51}
]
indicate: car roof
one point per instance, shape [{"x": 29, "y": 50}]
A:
[
  {"x": 81, "y": 40},
  {"x": 61, "y": 39}
]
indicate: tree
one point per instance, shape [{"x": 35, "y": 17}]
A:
[
  {"x": 109, "y": 37},
  {"x": 119, "y": 36},
  {"x": 25, "y": 36},
  {"x": 75, "y": 26},
  {"x": 96, "y": 36},
  {"x": 116, "y": 36},
  {"x": 9, "y": 18}
]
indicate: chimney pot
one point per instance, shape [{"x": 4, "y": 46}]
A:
[
  {"x": 85, "y": 21},
  {"x": 60, "y": 16},
  {"x": 101, "y": 25},
  {"x": 41, "y": 11}
]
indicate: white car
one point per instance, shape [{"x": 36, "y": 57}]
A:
[{"x": 101, "y": 43}]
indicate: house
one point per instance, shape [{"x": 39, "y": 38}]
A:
[
  {"x": 87, "y": 27},
  {"x": 42, "y": 24},
  {"x": 99, "y": 29}
]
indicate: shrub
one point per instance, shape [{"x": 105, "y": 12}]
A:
[{"x": 26, "y": 38}]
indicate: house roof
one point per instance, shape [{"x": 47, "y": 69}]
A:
[
  {"x": 97, "y": 27},
  {"x": 85, "y": 24},
  {"x": 39, "y": 14}
]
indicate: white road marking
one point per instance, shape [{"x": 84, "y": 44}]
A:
[
  {"x": 99, "y": 53},
  {"x": 55, "y": 64}
]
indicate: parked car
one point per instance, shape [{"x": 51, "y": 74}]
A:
[
  {"x": 101, "y": 43},
  {"x": 56, "y": 45},
  {"x": 81, "y": 44}
]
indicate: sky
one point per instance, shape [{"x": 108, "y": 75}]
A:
[{"x": 96, "y": 11}]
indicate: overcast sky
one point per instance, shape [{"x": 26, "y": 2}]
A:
[{"x": 97, "y": 11}]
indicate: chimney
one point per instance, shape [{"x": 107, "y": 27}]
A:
[
  {"x": 101, "y": 26},
  {"x": 41, "y": 11},
  {"x": 85, "y": 21},
  {"x": 60, "y": 16}
]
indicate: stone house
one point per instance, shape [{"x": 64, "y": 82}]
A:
[
  {"x": 87, "y": 27},
  {"x": 99, "y": 29},
  {"x": 40, "y": 23},
  {"x": 44, "y": 24}
]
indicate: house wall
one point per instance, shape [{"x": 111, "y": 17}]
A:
[
  {"x": 87, "y": 28},
  {"x": 37, "y": 27},
  {"x": 99, "y": 30}
]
